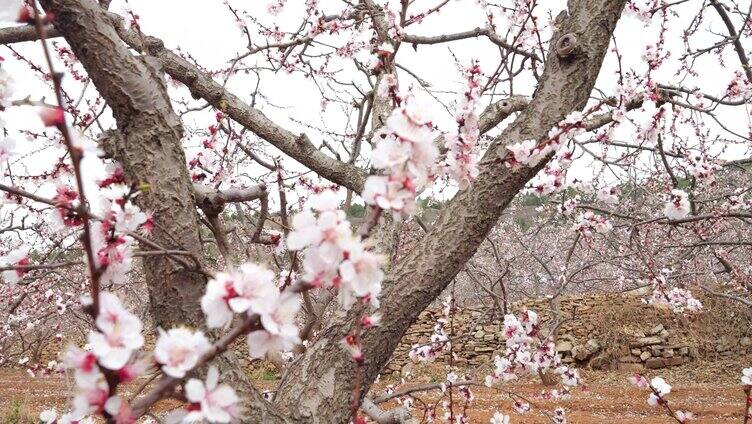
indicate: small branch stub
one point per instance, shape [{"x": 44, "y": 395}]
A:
[{"x": 565, "y": 45}]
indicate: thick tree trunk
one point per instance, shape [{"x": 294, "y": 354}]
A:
[
  {"x": 148, "y": 145},
  {"x": 318, "y": 386},
  {"x": 150, "y": 151}
]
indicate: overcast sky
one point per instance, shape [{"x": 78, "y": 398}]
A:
[{"x": 210, "y": 34}]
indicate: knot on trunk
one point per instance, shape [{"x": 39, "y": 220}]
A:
[{"x": 565, "y": 45}]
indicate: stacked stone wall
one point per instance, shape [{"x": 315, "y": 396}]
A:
[{"x": 598, "y": 331}]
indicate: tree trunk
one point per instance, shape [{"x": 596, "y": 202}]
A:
[
  {"x": 150, "y": 151},
  {"x": 148, "y": 145},
  {"x": 319, "y": 385}
]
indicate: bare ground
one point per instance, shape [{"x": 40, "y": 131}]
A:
[{"x": 711, "y": 390}]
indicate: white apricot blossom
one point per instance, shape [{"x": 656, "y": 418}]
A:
[
  {"x": 747, "y": 376},
  {"x": 216, "y": 403},
  {"x": 119, "y": 333},
  {"x": 214, "y": 302},
  {"x": 499, "y": 418},
  {"x": 677, "y": 206},
  {"x": 179, "y": 349},
  {"x": 16, "y": 257},
  {"x": 404, "y": 147}
]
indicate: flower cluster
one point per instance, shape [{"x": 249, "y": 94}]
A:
[
  {"x": 467, "y": 396},
  {"x": 275, "y": 7},
  {"x": 179, "y": 349},
  {"x": 209, "y": 401},
  {"x": 653, "y": 56},
  {"x": 738, "y": 202},
  {"x": 119, "y": 334},
  {"x": 404, "y": 147},
  {"x": 499, "y": 418},
  {"x": 251, "y": 290},
  {"x": 677, "y": 206},
  {"x": 531, "y": 152},
  {"x": 111, "y": 242},
  {"x": 676, "y": 299},
  {"x": 521, "y": 407},
  {"x": 608, "y": 195},
  {"x": 439, "y": 343},
  {"x": 113, "y": 359},
  {"x": 15, "y": 258},
  {"x": 702, "y": 168},
  {"x": 387, "y": 86},
  {"x": 739, "y": 87},
  {"x": 113, "y": 345},
  {"x": 439, "y": 339},
  {"x": 461, "y": 160},
  {"x": 550, "y": 179},
  {"x": 589, "y": 223},
  {"x": 659, "y": 390},
  {"x": 747, "y": 376},
  {"x": 333, "y": 255},
  {"x": 568, "y": 206},
  {"x": 633, "y": 10},
  {"x": 65, "y": 207},
  {"x": 527, "y": 353},
  {"x": 518, "y": 17},
  {"x": 650, "y": 130}
]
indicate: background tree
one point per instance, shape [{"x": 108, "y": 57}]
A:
[{"x": 523, "y": 138}]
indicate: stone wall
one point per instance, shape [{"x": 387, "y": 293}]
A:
[{"x": 599, "y": 332}]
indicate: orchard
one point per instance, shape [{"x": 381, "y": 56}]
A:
[{"x": 188, "y": 186}]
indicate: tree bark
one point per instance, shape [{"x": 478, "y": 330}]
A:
[
  {"x": 148, "y": 145},
  {"x": 150, "y": 151},
  {"x": 318, "y": 386}
]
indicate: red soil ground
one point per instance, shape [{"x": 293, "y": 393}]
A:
[{"x": 716, "y": 398}]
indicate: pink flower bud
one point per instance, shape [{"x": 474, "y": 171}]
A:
[{"x": 52, "y": 116}]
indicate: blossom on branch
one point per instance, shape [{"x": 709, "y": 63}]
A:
[
  {"x": 462, "y": 160},
  {"x": 210, "y": 401},
  {"x": 747, "y": 376},
  {"x": 609, "y": 195},
  {"x": 677, "y": 207},
  {"x": 16, "y": 257},
  {"x": 589, "y": 223},
  {"x": 333, "y": 255},
  {"x": 179, "y": 349},
  {"x": 119, "y": 333},
  {"x": 405, "y": 148},
  {"x": 214, "y": 302},
  {"x": 660, "y": 389},
  {"x": 499, "y": 418},
  {"x": 254, "y": 288}
]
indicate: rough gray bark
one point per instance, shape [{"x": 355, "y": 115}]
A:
[
  {"x": 201, "y": 85},
  {"x": 151, "y": 152},
  {"x": 318, "y": 386},
  {"x": 148, "y": 145}
]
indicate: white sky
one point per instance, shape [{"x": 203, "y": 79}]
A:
[{"x": 208, "y": 32}]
